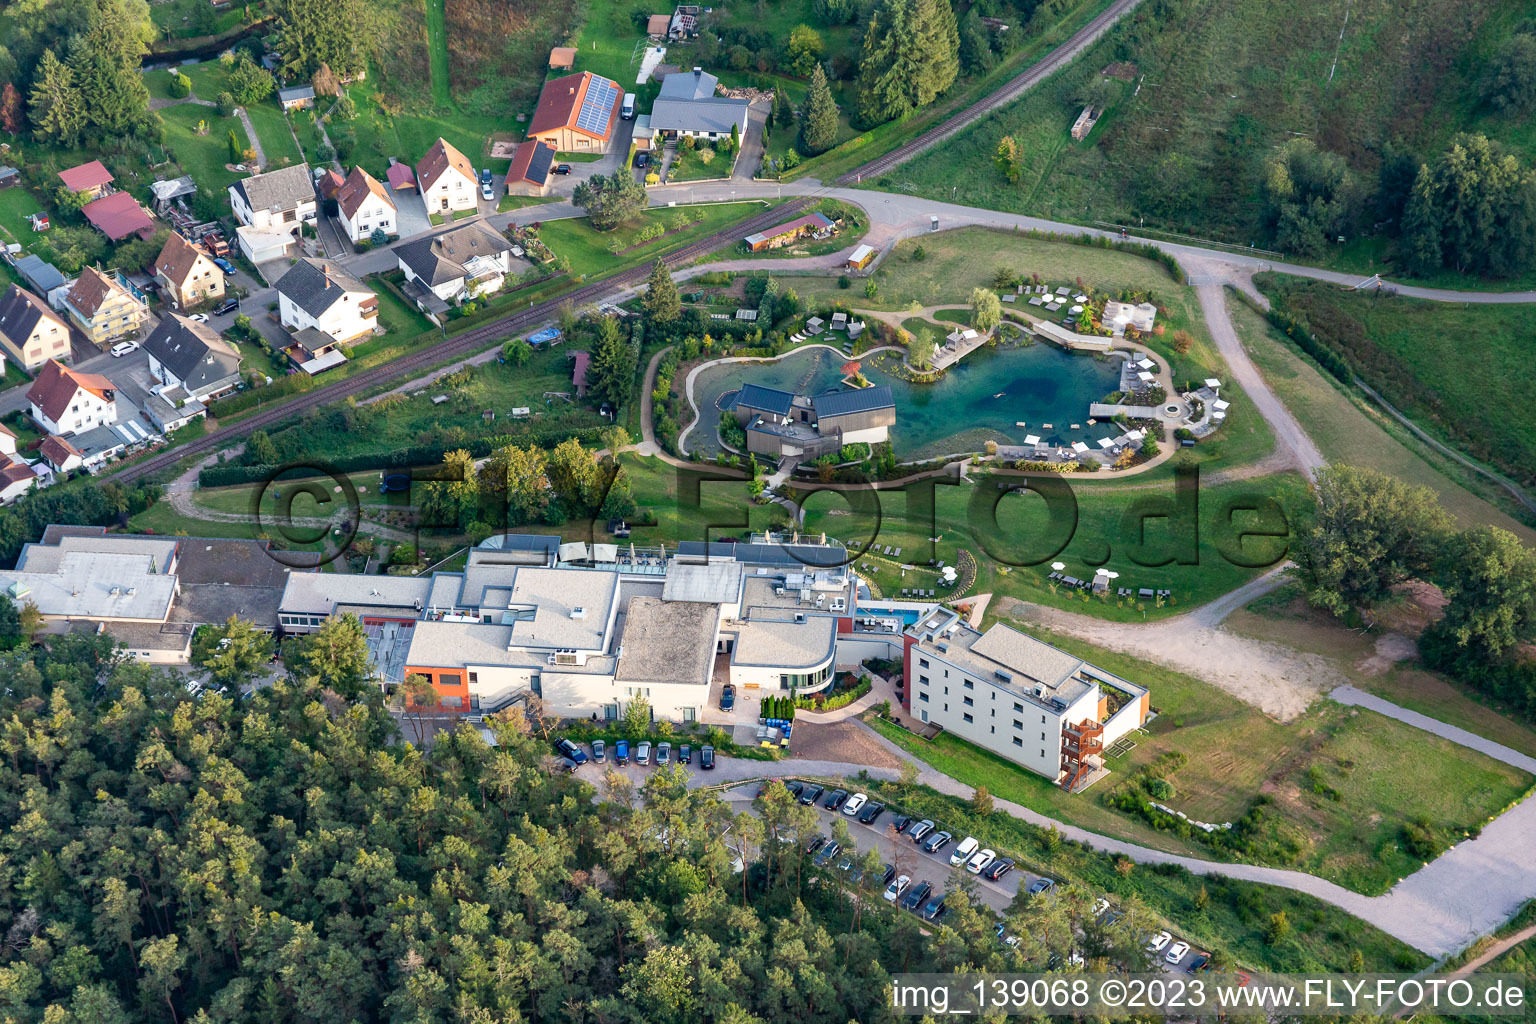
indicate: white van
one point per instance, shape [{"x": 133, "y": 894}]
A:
[
  {"x": 627, "y": 111},
  {"x": 964, "y": 850}
]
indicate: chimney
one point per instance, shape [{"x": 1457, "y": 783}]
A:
[{"x": 697, "y": 71}]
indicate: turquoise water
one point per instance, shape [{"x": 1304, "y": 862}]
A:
[{"x": 980, "y": 399}]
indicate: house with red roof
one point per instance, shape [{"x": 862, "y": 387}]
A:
[
  {"x": 92, "y": 178},
  {"x": 577, "y": 113},
  {"x": 65, "y": 401},
  {"x": 364, "y": 206},
  {"x": 119, "y": 215},
  {"x": 447, "y": 179}
]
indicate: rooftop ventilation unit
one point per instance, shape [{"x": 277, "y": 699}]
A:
[
  {"x": 1006, "y": 677},
  {"x": 944, "y": 647},
  {"x": 578, "y": 613}
]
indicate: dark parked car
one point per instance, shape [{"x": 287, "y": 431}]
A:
[
  {"x": 707, "y": 758},
  {"x": 485, "y": 176},
  {"x": 900, "y": 822},
  {"x": 870, "y": 813},
  {"x": 825, "y": 855},
  {"x": 811, "y": 795},
  {"x": 794, "y": 787},
  {"x": 571, "y": 750},
  {"x": 599, "y": 751},
  {"x": 227, "y": 306},
  {"x": 888, "y": 874},
  {"x": 685, "y": 754},
  {"x": 567, "y": 765},
  {"x": 997, "y": 869},
  {"x": 621, "y": 752},
  {"x": 562, "y": 168},
  {"x": 1040, "y": 885},
  {"x": 816, "y": 843},
  {"x": 642, "y": 158},
  {"x": 935, "y": 908},
  {"x": 915, "y": 897},
  {"x": 1198, "y": 962},
  {"x": 727, "y": 697},
  {"x": 937, "y": 842},
  {"x": 836, "y": 799}
]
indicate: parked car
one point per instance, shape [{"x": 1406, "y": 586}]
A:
[
  {"x": 816, "y": 842},
  {"x": 900, "y": 822},
  {"x": 227, "y": 306},
  {"x": 1198, "y": 962},
  {"x": 599, "y": 751},
  {"x": 707, "y": 758},
  {"x": 685, "y": 754},
  {"x": 934, "y": 908},
  {"x": 198, "y": 318},
  {"x": 487, "y": 191},
  {"x": 794, "y": 787},
  {"x": 643, "y": 752},
  {"x": 888, "y": 873},
  {"x": 937, "y": 842},
  {"x": 825, "y": 855},
  {"x": 1041, "y": 885},
  {"x": 663, "y": 753},
  {"x": 1100, "y": 905},
  {"x": 854, "y": 804},
  {"x": 124, "y": 348},
  {"x": 896, "y": 887},
  {"x": 621, "y": 752},
  {"x": 964, "y": 852},
  {"x": 727, "y": 697},
  {"x": 1159, "y": 942},
  {"x": 224, "y": 264},
  {"x": 921, "y": 829},
  {"x": 1176, "y": 952},
  {"x": 836, "y": 799},
  {"x": 915, "y": 898},
  {"x": 811, "y": 794},
  {"x": 567, "y": 765},
  {"x": 642, "y": 158},
  {"x": 571, "y": 751},
  {"x": 979, "y": 861},
  {"x": 871, "y": 812},
  {"x": 997, "y": 869},
  {"x": 485, "y": 176},
  {"x": 562, "y": 168}
]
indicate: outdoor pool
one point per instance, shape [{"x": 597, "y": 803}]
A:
[{"x": 979, "y": 400}]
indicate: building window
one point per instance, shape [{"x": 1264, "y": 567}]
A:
[
  {"x": 969, "y": 702},
  {"x": 968, "y": 718},
  {"x": 923, "y": 662},
  {"x": 1018, "y": 724},
  {"x": 1018, "y": 742},
  {"x": 610, "y": 712},
  {"x": 925, "y": 716},
  {"x": 968, "y": 684},
  {"x": 474, "y": 677},
  {"x": 688, "y": 714},
  {"x": 1019, "y": 708},
  {"x": 922, "y": 679},
  {"x": 923, "y": 697}
]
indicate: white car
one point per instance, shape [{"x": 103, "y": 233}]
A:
[
  {"x": 487, "y": 191},
  {"x": 1099, "y": 906},
  {"x": 1176, "y": 952},
  {"x": 855, "y": 804},
  {"x": 198, "y": 318},
  {"x": 896, "y": 888},
  {"x": 1159, "y": 942},
  {"x": 977, "y": 864},
  {"x": 124, "y": 348},
  {"x": 964, "y": 851}
]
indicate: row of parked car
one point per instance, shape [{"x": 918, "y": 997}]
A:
[{"x": 573, "y": 757}]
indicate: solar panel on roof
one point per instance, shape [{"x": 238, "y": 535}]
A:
[{"x": 596, "y": 106}]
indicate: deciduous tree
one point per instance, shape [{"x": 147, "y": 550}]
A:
[
  {"x": 986, "y": 309},
  {"x": 1473, "y": 210}
]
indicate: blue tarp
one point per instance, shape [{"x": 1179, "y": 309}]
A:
[{"x": 547, "y": 336}]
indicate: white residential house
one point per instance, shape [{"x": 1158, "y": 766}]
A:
[
  {"x": 274, "y": 203},
  {"x": 65, "y": 401},
  {"x": 191, "y": 360},
  {"x": 458, "y": 264},
  {"x": 364, "y": 206},
  {"x": 16, "y": 477},
  {"x": 447, "y": 180},
  {"x": 318, "y": 294}
]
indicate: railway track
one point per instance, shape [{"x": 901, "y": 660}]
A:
[{"x": 478, "y": 338}]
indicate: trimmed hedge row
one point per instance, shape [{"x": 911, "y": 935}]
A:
[{"x": 225, "y": 474}]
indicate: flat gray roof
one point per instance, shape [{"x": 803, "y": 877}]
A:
[
  {"x": 94, "y": 585},
  {"x": 714, "y": 582},
  {"x": 554, "y": 597},
  {"x": 785, "y": 643},
  {"x": 667, "y": 641}
]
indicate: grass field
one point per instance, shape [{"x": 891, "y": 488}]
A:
[
  {"x": 1211, "y": 96},
  {"x": 1352, "y": 431},
  {"x": 189, "y": 19},
  {"x": 237, "y": 498},
  {"x": 15, "y": 205},
  {"x": 589, "y": 250},
  {"x": 1462, "y": 372},
  {"x": 437, "y": 50},
  {"x": 1383, "y": 772},
  {"x": 406, "y": 133},
  {"x": 203, "y": 156}
]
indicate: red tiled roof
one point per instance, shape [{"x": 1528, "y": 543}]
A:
[
  {"x": 658, "y": 24},
  {"x": 579, "y": 373},
  {"x": 119, "y": 215},
  {"x": 359, "y": 185},
  {"x": 86, "y": 176},
  {"x": 330, "y": 183},
  {"x": 560, "y": 103},
  {"x": 439, "y": 158},
  {"x": 91, "y": 289},
  {"x": 522, "y": 160},
  {"x": 56, "y": 450},
  {"x": 178, "y": 259},
  {"x": 56, "y": 385},
  {"x": 16, "y": 472},
  {"x": 562, "y": 56},
  {"x": 400, "y": 176}
]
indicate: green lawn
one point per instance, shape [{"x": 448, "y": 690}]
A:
[
  {"x": 438, "y": 218},
  {"x": 1383, "y": 772},
  {"x": 437, "y": 50},
  {"x": 1463, "y": 372},
  {"x": 203, "y": 156},
  {"x": 590, "y": 250},
  {"x": 271, "y": 126},
  {"x": 1352, "y": 430},
  {"x": 408, "y": 133},
  {"x": 307, "y": 127},
  {"x": 237, "y": 498},
  {"x": 397, "y": 316},
  {"x": 1390, "y": 73},
  {"x": 16, "y": 203},
  {"x": 208, "y": 79},
  {"x": 189, "y": 19},
  {"x": 518, "y": 202}
]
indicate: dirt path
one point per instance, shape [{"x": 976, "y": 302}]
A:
[
  {"x": 1496, "y": 950},
  {"x": 1277, "y": 680}
]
